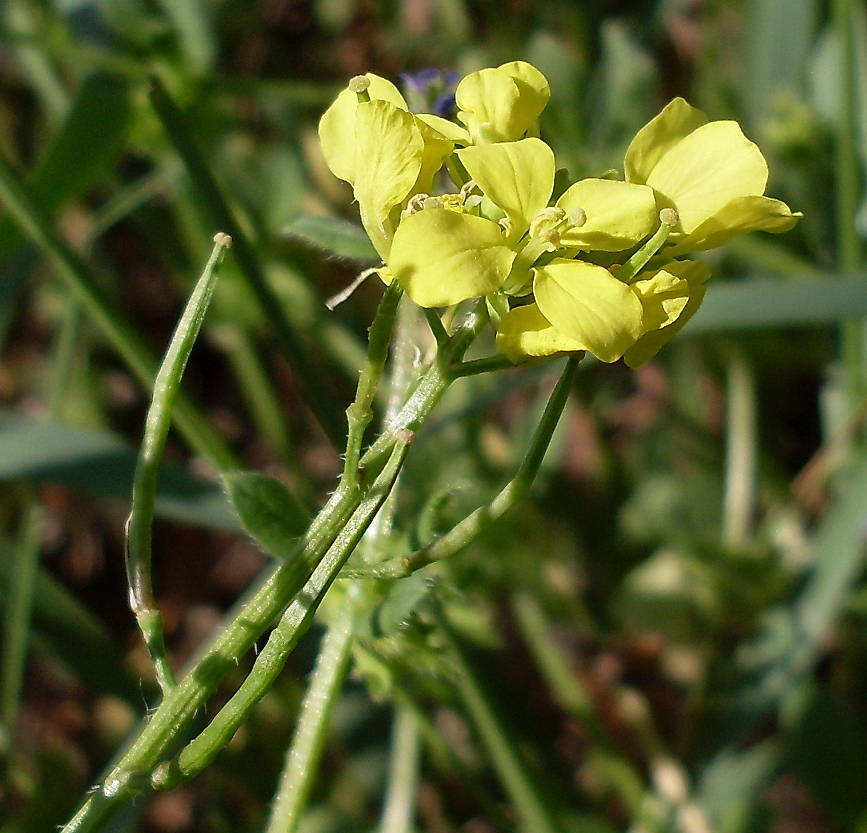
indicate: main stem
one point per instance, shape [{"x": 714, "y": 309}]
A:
[{"x": 132, "y": 773}]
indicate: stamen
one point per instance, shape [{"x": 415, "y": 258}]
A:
[
  {"x": 415, "y": 204},
  {"x": 577, "y": 217},
  {"x": 359, "y": 85},
  {"x": 669, "y": 217},
  {"x": 547, "y": 222}
]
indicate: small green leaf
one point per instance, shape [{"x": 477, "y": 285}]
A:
[
  {"x": 402, "y": 601},
  {"x": 345, "y": 239},
  {"x": 268, "y": 511}
]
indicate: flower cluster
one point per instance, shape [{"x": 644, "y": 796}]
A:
[{"x": 598, "y": 268}]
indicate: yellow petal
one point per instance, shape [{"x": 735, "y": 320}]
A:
[
  {"x": 436, "y": 148},
  {"x": 663, "y": 297},
  {"x": 588, "y": 304},
  {"x": 390, "y": 147},
  {"x": 705, "y": 171},
  {"x": 619, "y": 214},
  {"x": 739, "y": 216},
  {"x": 337, "y": 125},
  {"x": 508, "y": 99},
  {"x": 442, "y": 257},
  {"x": 675, "y": 122},
  {"x": 525, "y": 333},
  {"x": 694, "y": 274},
  {"x": 446, "y": 128},
  {"x": 516, "y": 176}
]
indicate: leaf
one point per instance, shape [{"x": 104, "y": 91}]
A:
[
  {"x": 268, "y": 511},
  {"x": 403, "y": 599},
  {"x": 748, "y": 305},
  {"x": 345, "y": 239},
  {"x": 87, "y": 145},
  {"x": 100, "y": 463},
  {"x": 72, "y": 634}
]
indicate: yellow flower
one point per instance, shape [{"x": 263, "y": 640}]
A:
[
  {"x": 385, "y": 152},
  {"x": 581, "y": 306},
  {"x": 444, "y": 257},
  {"x": 502, "y": 104},
  {"x": 599, "y": 264},
  {"x": 710, "y": 173}
]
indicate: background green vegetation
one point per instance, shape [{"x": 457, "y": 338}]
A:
[{"x": 672, "y": 632}]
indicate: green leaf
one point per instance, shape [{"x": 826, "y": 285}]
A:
[
  {"x": 71, "y": 633},
  {"x": 268, "y": 511},
  {"x": 748, "y": 305},
  {"x": 100, "y": 463},
  {"x": 403, "y": 599},
  {"x": 87, "y": 145},
  {"x": 84, "y": 150},
  {"x": 194, "y": 32},
  {"x": 345, "y": 239}
]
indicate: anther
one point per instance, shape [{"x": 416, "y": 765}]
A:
[
  {"x": 359, "y": 85},
  {"x": 669, "y": 217},
  {"x": 547, "y": 223},
  {"x": 577, "y": 217},
  {"x": 416, "y": 203}
]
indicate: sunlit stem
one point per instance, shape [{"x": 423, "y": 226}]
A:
[
  {"x": 403, "y": 775},
  {"x": 310, "y": 733},
  {"x": 475, "y": 523},
  {"x": 157, "y": 422},
  {"x": 534, "y": 249},
  {"x": 201, "y": 751},
  {"x": 667, "y": 220},
  {"x": 360, "y": 412},
  {"x": 302, "y": 759},
  {"x": 432, "y": 384},
  {"x": 436, "y": 325},
  {"x": 531, "y": 806}
]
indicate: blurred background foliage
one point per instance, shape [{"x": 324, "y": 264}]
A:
[{"x": 673, "y": 630}]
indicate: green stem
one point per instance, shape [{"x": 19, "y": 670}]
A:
[
  {"x": 200, "y": 752},
  {"x": 16, "y": 624},
  {"x": 309, "y": 737},
  {"x": 485, "y": 365},
  {"x": 848, "y": 186},
  {"x": 360, "y": 413},
  {"x": 530, "y": 805},
  {"x": 157, "y": 423},
  {"x": 119, "y": 332},
  {"x": 403, "y": 775},
  {"x": 740, "y": 471},
  {"x": 436, "y": 326},
  {"x": 25, "y": 556},
  {"x": 514, "y": 491},
  {"x": 215, "y": 207},
  {"x": 640, "y": 259},
  {"x": 302, "y": 760},
  {"x": 432, "y": 384},
  {"x": 132, "y": 772}
]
